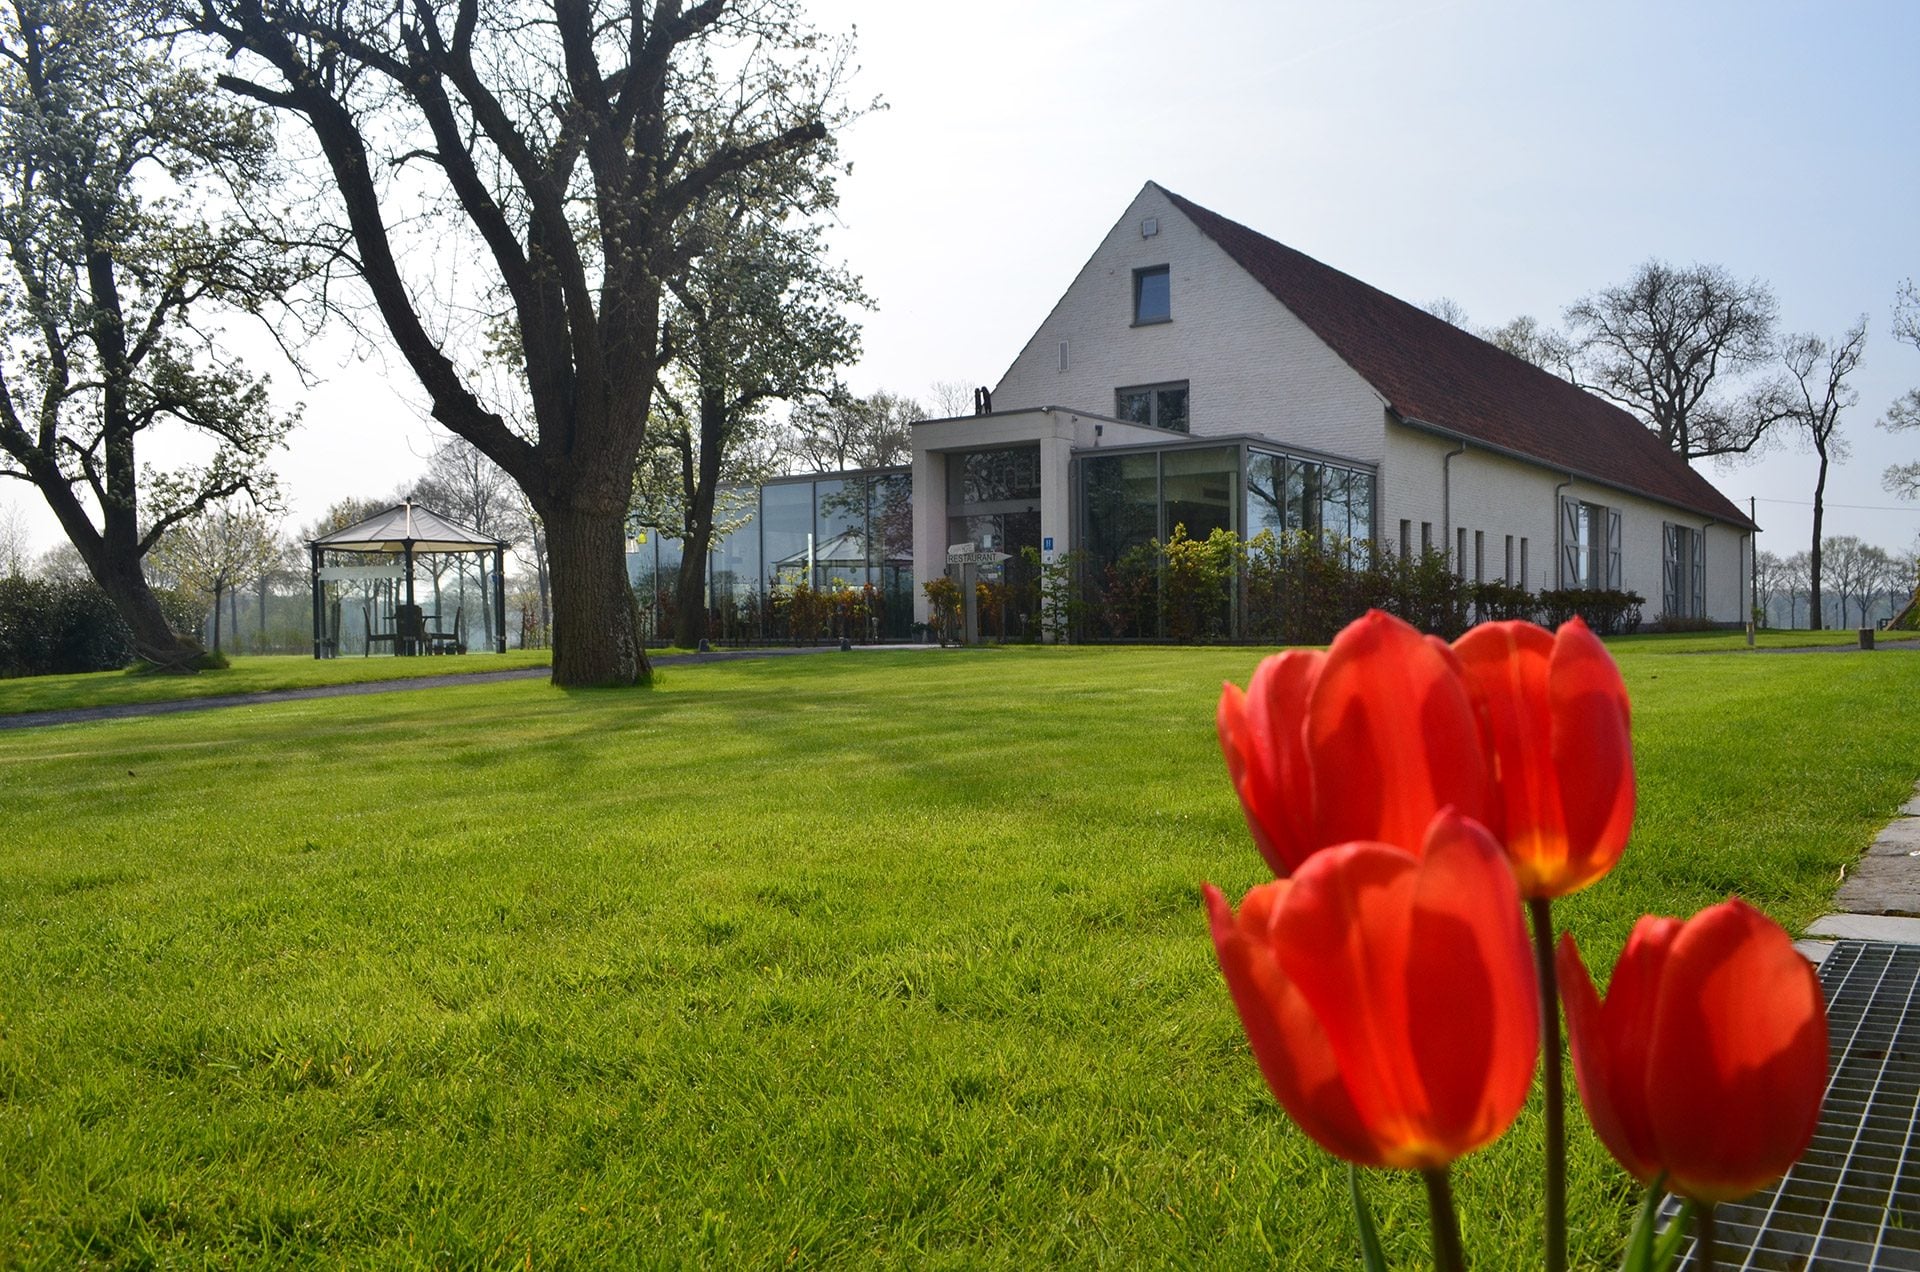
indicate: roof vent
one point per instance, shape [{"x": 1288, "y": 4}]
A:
[{"x": 1150, "y": 227}]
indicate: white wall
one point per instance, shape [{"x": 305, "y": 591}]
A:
[
  {"x": 1501, "y": 496},
  {"x": 1251, "y": 366}
]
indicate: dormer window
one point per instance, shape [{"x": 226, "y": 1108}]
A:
[{"x": 1152, "y": 295}]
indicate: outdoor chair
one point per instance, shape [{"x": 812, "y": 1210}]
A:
[
  {"x": 410, "y": 630},
  {"x": 448, "y": 642}
]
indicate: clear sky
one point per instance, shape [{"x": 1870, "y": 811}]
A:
[{"x": 1508, "y": 154}]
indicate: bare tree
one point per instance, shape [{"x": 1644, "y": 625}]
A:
[
  {"x": 1876, "y": 567},
  {"x": 1903, "y": 480},
  {"x": 1797, "y": 573},
  {"x": 14, "y": 541},
  {"x": 564, "y": 148},
  {"x": 1526, "y": 338},
  {"x": 950, "y": 399},
  {"x": 1810, "y": 397},
  {"x": 1769, "y": 579},
  {"x": 110, "y": 154},
  {"x": 1660, "y": 345},
  {"x": 1449, "y": 310},
  {"x": 848, "y": 432}
]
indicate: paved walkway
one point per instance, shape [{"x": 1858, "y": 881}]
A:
[
  {"x": 172, "y": 706},
  {"x": 1879, "y": 900}
]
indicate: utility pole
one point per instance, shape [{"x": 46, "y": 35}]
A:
[{"x": 1753, "y": 570}]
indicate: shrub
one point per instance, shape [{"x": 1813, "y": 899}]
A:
[
  {"x": 943, "y": 608},
  {"x": 51, "y": 627},
  {"x": 1683, "y": 623},
  {"x": 1500, "y": 602},
  {"x": 1608, "y": 611},
  {"x": 1426, "y": 592},
  {"x": 1197, "y": 582}
]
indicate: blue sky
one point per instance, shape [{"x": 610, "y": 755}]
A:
[{"x": 1511, "y": 156}]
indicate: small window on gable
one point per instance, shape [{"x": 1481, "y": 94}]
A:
[
  {"x": 1155, "y": 405},
  {"x": 1152, "y": 295}
]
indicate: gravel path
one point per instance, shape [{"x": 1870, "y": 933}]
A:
[{"x": 117, "y": 711}]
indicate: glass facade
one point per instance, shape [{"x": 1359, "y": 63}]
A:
[
  {"x": 993, "y": 502},
  {"x": 1289, "y": 492},
  {"x": 854, "y": 529}
]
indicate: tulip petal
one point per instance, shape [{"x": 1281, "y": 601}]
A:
[
  {"x": 1342, "y": 940},
  {"x": 1262, "y": 735},
  {"x": 1738, "y": 1054},
  {"x": 1505, "y": 667},
  {"x": 1554, "y": 712},
  {"x": 1393, "y": 737},
  {"x": 1592, "y": 753},
  {"x": 1287, "y": 1040},
  {"x": 1609, "y": 1040},
  {"x": 1472, "y": 995}
]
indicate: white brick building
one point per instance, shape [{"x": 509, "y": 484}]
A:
[{"x": 1200, "y": 372}]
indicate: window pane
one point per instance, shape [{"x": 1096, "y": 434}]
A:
[
  {"x": 1007, "y": 475},
  {"x": 890, "y": 513},
  {"x": 787, "y": 512},
  {"x": 840, "y": 527},
  {"x": 1172, "y": 413},
  {"x": 1152, "y": 295},
  {"x": 1121, "y": 498},
  {"x": 1135, "y": 407},
  {"x": 1303, "y": 495},
  {"x": 736, "y": 553},
  {"x": 1334, "y": 484},
  {"x": 1266, "y": 491},
  {"x": 1197, "y": 488}
]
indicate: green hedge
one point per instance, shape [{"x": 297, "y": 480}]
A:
[{"x": 49, "y": 627}]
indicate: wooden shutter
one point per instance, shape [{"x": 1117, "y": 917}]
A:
[
  {"x": 1613, "y": 548},
  {"x": 1669, "y": 568},
  {"x": 1569, "y": 543},
  {"x": 1699, "y": 597}
]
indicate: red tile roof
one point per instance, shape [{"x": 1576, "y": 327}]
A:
[{"x": 1433, "y": 373}]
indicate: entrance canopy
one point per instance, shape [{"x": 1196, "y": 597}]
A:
[{"x": 403, "y": 531}]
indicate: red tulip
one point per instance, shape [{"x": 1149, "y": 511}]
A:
[
  {"x": 1708, "y": 1059},
  {"x": 1366, "y": 741},
  {"x": 1389, "y": 997},
  {"x": 1554, "y": 712}
]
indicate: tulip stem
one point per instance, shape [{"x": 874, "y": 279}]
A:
[
  {"x": 1540, "y": 910},
  {"x": 1448, "y": 1254},
  {"x": 1705, "y": 1253}
]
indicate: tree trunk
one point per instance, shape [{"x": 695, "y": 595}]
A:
[
  {"x": 154, "y": 640},
  {"x": 597, "y": 643},
  {"x": 1816, "y": 618},
  {"x": 690, "y": 592},
  {"x": 216, "y": 620}
]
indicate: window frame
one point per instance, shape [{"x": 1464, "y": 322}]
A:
[
  {"x": 1153, "y": 392},
  {"x": 1141, "y": 275}
]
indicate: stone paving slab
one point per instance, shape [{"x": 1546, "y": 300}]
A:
[
  {"x": 1814, "y": 952},
  {"x": 1899, "y": 929}
]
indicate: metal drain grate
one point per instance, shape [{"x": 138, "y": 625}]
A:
[{"x": 1853, "y": 1201}]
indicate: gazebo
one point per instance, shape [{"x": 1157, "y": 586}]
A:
[{"x": 404, "y": 531}]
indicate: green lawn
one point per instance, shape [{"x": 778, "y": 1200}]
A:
[
  {"x": 886, "y": 960},
  {"x": 248, "y": 674}
]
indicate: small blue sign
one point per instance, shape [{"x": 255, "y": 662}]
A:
[{"x": 1046, "y": 544}]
